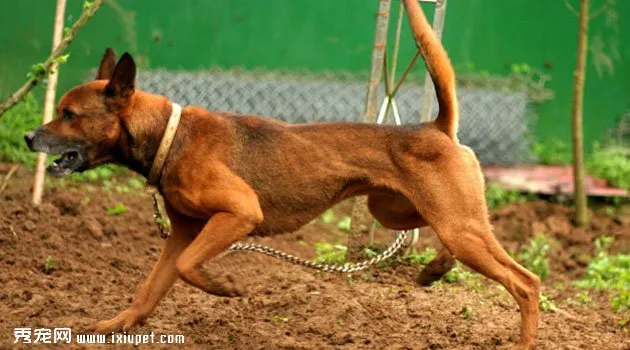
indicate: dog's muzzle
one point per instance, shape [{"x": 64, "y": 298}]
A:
[{"x": 72, "y": 153}]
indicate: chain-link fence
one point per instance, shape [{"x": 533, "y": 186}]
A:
[{"x": 493, "y": 122}]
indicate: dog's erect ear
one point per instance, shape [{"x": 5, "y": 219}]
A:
[
  {"x": 123, "y": 80},
  {"x": 106, "y": 69}
]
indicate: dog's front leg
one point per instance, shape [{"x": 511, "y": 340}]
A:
[
  {"x": 221, "y": 230},
  {"x": 160, "y": 280}
]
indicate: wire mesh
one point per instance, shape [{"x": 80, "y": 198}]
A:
[{"x": 494, "y": 122}]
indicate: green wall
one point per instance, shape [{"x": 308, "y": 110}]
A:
[{"x": 329, "y": 35}]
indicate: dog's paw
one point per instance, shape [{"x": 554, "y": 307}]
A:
[
  {"x": 122, "y": 322},
  {"x": 225, "y": 286},
  {"x": 426, "y": 278}
]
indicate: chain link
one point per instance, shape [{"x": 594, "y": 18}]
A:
[{"x": 347, "y": 268}]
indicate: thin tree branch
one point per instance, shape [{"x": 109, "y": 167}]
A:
[
  {"x": 594, "y": 14},
  {"x": 570, "y": 7},
  {"x": 6, "y": 178},
  {"x": 602, "y": 9},
  {"x": 89, "y": 10}
]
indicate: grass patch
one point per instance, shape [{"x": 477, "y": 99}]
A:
[
  {"x": 25, "y": 116},
  {"x": 498, "y": 197},
  {"x": 546, "y": 304},
  {"x": 534, "y": 256},
  {"x": 458, "y": 274},
  {"x": 609, "y": 272},
  {"x": 422, "y": 258},
  {"x": 328, "y": 253},
  {"x": 118, "y": 209},
  {"x": 556, "y": 152},
  {"x": 612, "y": 164}
]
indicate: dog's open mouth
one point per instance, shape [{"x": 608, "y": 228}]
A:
[{"x": 68, "y": 163}]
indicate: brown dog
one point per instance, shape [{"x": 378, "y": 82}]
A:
[{"x": 229, "y": 176}]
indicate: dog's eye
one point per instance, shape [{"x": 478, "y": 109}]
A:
[{"x": 67, "y": 115}]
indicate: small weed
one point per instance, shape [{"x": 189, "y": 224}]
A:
[
  {"x": 328, "y": 216},
  {"x": 546, "y": 304},
  {"x": 534, "y": 256},
  {"x": 458, "y": 274},
  {"x": 609, "y": 272},
  {"x": 369, "y": 252},
  {"x": 610, "y": 211},
  {"x": 612, "y": 164},
  {"x": 621, "y": 302},
  {"x": 345, "y": 224},
  {"x": 498, "y": 197},
  {"x": 103, "y": 173},
  {"x": 136, "y": 183},
  {"x": 555, "y": 152},
  {"x": 118, "y": 209},
  {"x": 277, "y": 318},
  {"x": 421, "y": 258},
  {"x": 466, "y": 312},
  {"x": 584, "y": 298},
  {"x": 328, "y": 253},
  {"x": 49, "y": 265}
]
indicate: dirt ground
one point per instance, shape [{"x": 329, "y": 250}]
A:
[{"x": 101, "y": 259}]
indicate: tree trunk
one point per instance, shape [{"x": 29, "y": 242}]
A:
[
  {"x": 581, "y": 214},
  {"x": 361, "y": 218}
]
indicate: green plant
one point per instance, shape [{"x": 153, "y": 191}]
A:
[
  {"x": 555, "y": 152},
  {"x": 49, "y": 265},
  {"x": 25, "y": 116},
  {"x": 277, "y": 318},
  {"x": 344, "y": 224},
  {"x": 497, "y": 196},
  {"x": 422, "y": 258},
  {"x": 621, "y": 302},
  {"x": 546, "y": 304},
  {"x": 584, "y": 298},
  {"x": 458, "y": 274},
  {"x": 534, "y": 256},
  {"x": 609, "y": 272},
  {"x": 118, "y": 209},
  {"x": 328, "y": 253},
  {"x": 328, "y": 216},
  {"x": 466, "y": 312},
  {"x": 612, "y": 164},
  {"x": 102, "y": 173}
]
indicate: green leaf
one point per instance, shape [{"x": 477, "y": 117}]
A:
[
  {"x": 118, "y": 209},
  {"x": 62, "y": 59}
]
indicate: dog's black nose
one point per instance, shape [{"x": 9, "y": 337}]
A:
[{"x": 28, "y": 138}]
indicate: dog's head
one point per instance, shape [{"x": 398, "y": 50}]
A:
[{"x": 88, "y": 124}]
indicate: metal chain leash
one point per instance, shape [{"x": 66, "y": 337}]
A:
[{"x": 347, "y": 268}]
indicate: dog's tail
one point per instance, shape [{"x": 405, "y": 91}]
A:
[{"x": 439, "y": 67}]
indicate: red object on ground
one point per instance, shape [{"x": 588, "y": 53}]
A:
[{"x": 545, "y": 179}]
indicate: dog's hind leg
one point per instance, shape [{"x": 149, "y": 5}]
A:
[
  {"x": 438, "y": 267},
  {"x": 451, "y": 199},
  {"x": 475, "y": 246},
  {"x": 160, "y": 279}
]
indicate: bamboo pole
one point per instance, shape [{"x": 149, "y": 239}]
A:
[
  {"x": 581, "y": 215},
  {"x": 360, "y": 215},
  {"x": 49, "y": 102},
  {"x": 89, "y": 9}
]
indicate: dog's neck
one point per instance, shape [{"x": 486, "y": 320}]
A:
[{"x": 144, "y": 125}]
